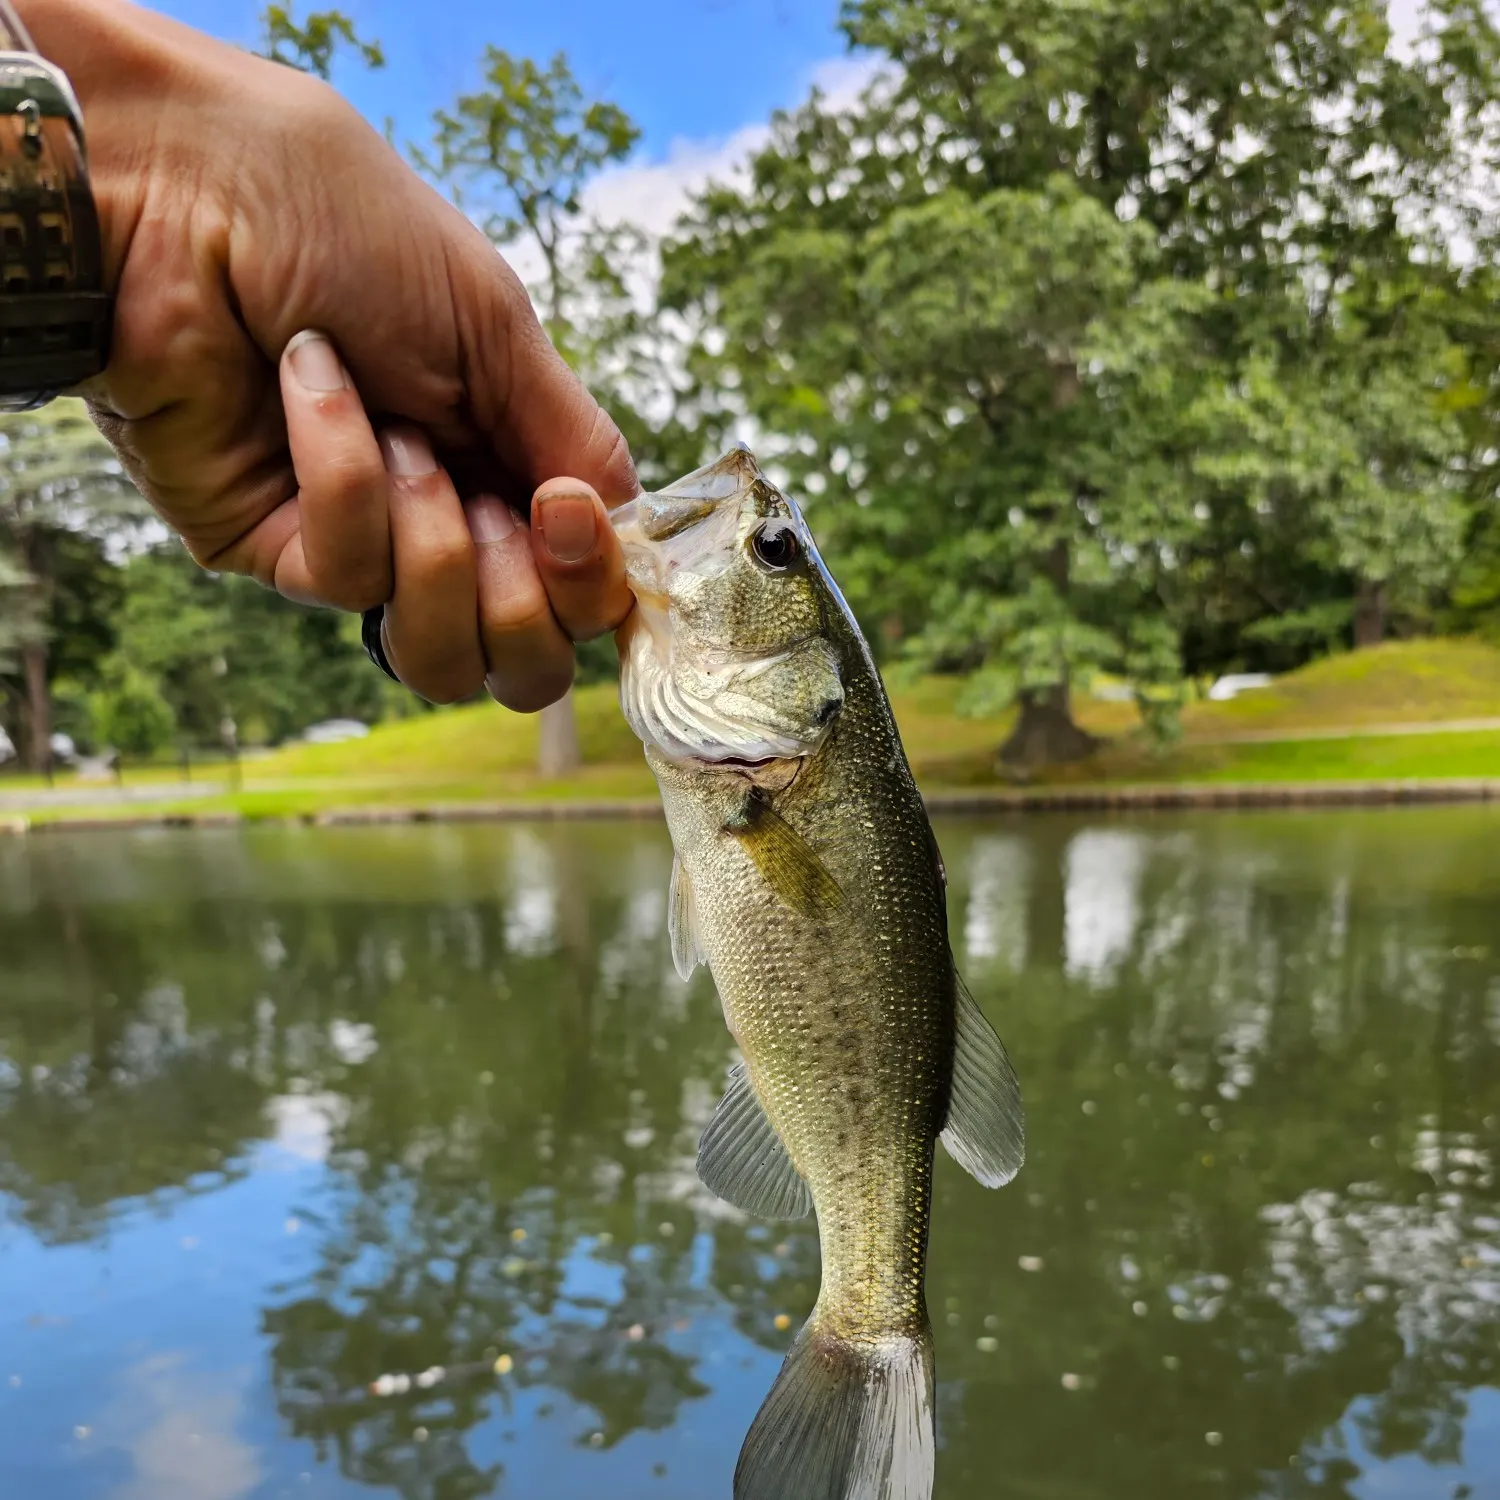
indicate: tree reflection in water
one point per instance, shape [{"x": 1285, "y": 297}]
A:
[{"x": 1256, "y": 1250}]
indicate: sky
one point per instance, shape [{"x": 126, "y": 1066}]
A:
[{"x": 700, "y": 77}]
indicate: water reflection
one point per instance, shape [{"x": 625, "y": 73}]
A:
[{"x": 283, "y": 1112}]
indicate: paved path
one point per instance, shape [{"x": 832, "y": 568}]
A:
[
  {"x": 107, "y": 795},
  {"x": 1347, "y": 732}
]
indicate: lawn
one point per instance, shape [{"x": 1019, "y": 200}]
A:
[
  {"x": 482, "y": 753},
  {"x": 1402, "y": 682}
]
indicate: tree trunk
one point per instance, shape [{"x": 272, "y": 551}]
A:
[
  {"x": 38, "y": 705},
  {"x": 1369, "y": 615},
  {"x": 1045, "y": 733},
  {"x": 558, "y": 754}
]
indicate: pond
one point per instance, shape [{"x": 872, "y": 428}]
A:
[{"x": 286, "y": 1111}]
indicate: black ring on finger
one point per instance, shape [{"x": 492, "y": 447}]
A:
[{"x": 372, "y": 634}]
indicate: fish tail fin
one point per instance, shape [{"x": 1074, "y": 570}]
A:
[{"x": 844, "y": 1421}]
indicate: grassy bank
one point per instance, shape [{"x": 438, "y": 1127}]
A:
[{"x": 1333, "y": 721}]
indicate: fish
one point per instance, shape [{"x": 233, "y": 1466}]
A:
[{"x": 807, "y": 878}]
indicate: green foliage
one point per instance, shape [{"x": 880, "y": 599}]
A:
[
  {"x": 131, "y": 714},
  {"x": 1153, "y": 338},
  {"x": 520, "y": 152},
  {"x": 63, "y": 500},
  {"x": 311, "y": 45},
  {"x": 17, "y": 616},
  {"x": 57, "y": 474},
  {"x": 222, "y": 647},
  {"x": 1098, "y": 336}
]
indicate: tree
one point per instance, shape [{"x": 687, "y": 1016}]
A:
[
  {"x": 991, "y": 310},
  {"x": 223, "y": 647},
  {"x": 310, "y": 47},
  {"x": 519, "y": 154},
  {"x": 130, "y": 714},
  {"x": 18, "y": 623},
  {"x": 59, "y": 481}
]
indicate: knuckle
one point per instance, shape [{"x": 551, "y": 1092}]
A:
[
  {"x": 354, "y": 595},
  {"x": 441, "y": 560},
  {"x": 525, "y": 614},
  {"x": 351, "y": 473},
  {"x": 616, "y": 467}
]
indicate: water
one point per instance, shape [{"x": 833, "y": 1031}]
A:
[{"x": 282, "y": 1112}]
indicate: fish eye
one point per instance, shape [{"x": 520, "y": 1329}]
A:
[{"x": 775, "y": 545}]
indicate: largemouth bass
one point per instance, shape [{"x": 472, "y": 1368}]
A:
[{"x": 808, "y": 879}]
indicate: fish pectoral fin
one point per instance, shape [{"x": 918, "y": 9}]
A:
[
  {"x": 682, "y": 923},
  {"x": 786, "y": 861},
  {"x": 743, "y": 1160},
  {"x": 986, "y": 1129}
]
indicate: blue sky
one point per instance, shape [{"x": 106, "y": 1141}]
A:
[{"x": 683, "y": 69}]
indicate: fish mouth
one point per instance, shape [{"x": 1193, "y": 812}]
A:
[{"x": 744, "y": 763}]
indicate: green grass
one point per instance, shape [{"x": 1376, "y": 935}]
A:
[
  {"x": 482, "y": 753},
  {"x": 1407, "y": 757},
  {"x": 1402, "y": 682}
]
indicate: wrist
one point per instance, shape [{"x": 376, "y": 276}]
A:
[{"x": 124, "y": 65}]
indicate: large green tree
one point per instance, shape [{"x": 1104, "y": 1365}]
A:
[{"x": 1010, "y": 313}]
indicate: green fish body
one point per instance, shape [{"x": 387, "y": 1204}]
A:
[{"x": 808, "y": 880}]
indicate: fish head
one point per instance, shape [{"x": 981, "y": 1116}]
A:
[{"x": 727, "y": 659}]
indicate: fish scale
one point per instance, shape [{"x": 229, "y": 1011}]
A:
[{"x": 807, "y": 878}]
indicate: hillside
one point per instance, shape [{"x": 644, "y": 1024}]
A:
[
  {"x": 1353, "y": 717},
  {"x": 1402, "y": 682}
]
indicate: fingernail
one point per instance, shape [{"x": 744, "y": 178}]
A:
[
  {"x": 490, "y": 520},
  {"x": 315, "y": 364},
  {"x": 567, "y": 526},
  {"x": 407, "y": 453}
]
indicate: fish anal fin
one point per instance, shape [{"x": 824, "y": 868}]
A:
[
  {"x": 786, "y": 861},
  {"x": 682, "y": 923},
  {"x": 742, "y": 1159},
  {"x": 986, "y": 1129}
]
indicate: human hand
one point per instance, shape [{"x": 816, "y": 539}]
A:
[
  {"x": 477, "y": 593},
  {"x": 243, "y": 205}
]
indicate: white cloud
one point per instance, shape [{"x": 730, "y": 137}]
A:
[
  {"x": 653, "y": 194},
  {"x": 182, "y": 1429}
]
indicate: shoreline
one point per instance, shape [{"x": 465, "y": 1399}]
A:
[{"x": 1141, "y": 797}]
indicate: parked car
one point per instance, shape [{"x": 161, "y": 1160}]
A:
[
  {"x": 335, "y": 731},
  {"x": 1236, "y": 683}
]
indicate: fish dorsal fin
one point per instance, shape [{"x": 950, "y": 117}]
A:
[
  {"x": 986, "y": 1129},
  {"x": 788, "y": 863},
  {"x": 938, "y": 867},
  {"x": 682, "y": 923},
  {"x": 742, "y": 1159}
]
